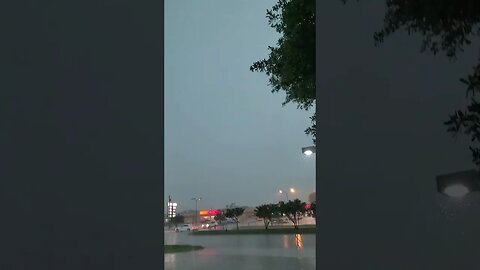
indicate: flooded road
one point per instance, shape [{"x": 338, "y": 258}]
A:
[{"x": 232, "y": 252}]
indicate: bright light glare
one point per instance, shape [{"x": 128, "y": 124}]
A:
[
  {"x": 456, "y": 190},
  {"x": 280, "y": 191},
  {"x": 308, "y": 152},
  {"x": 292, "y": 190}
]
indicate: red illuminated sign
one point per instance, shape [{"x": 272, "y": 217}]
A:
[
  {"x": 210, "y": 212},
  {"x": 307, "y": 206}
]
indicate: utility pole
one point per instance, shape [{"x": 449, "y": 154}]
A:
[
  {"x": 169, "y": 211},
  {"x": 196, "y": 209}
]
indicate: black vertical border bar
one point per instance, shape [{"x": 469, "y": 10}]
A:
[
  {"x": 318, "y": 124},
  {"x": 162, "y": 124}
]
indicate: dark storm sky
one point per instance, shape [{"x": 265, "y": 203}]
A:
[
  {"x": 381, "y": 144},
  {"x": 227, "y": 138}
]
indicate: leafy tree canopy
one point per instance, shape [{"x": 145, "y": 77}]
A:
[
  {"x": 234, "y": 212},
  {"x": 291, "y": 63},
  {"x": 220, "y": 217},
  {"x": 293, "y": 210},
  {"x": 445, "y": 26},
  {"x": 178, "y": 219},
  {"x": 313, "y": 210},
  {"x": 267, "y": 212}
]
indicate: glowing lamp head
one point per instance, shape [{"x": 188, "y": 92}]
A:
[
  {"x": 458, "y": 184},
  {"x": 292, "y": 190},
  {"x": 280, "y": 191},
  {"x": 456, "y": 190},
  {"x": 308, "y": 151}
]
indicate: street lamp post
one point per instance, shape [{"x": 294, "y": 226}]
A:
[
  {"x": 292, "y": 190},
  {"x": 196, "y": 209},
  {"x": 286, "y": 194}
]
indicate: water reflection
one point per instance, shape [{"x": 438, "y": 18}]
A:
[
  {"x": 235, "y": 252},
  {"x": 299, "y": 241},
  {"x": 286, "y": 243},
  {"x": 170, "y": 258},
  {"x": 207, "y": 252}
]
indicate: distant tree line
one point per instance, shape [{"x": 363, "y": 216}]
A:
[
  {"x": 176, "y": 220},
  {"x": 292, "y": 210}
]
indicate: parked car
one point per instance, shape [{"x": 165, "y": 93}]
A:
[
  {"x": 184, "y": 228},
  {"x": 209, "y": 225},
  {"x": 280, "y": 221}
]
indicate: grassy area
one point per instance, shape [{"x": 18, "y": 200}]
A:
[
  {"x": 181, "y": 248},
  {"x": 257, "y": 230}
]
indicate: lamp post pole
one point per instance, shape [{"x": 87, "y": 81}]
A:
[
  {"x": 196, "y": 209},
  {"x": 292, "y": 190}
]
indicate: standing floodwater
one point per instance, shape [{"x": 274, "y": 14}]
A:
[{"x": 232, "y": 252}]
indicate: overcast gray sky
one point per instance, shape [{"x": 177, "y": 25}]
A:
[
  {"x": 382, "y": 142},
  {"x": 227, "y": 137}
]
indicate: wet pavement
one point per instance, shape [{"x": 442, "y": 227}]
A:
[{"x": 232, "y": 252}]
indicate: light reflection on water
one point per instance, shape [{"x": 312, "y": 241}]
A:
[
  {"x": 286, "y": 241},
  {"x": 299, "y": 241},
  {"x": 235, "y": 252},
  {"x": 275, "y": 244}
]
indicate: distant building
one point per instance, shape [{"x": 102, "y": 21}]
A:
[
  {"x": 189, "y": 216},
  {"x": 312, "y": 197},
  {"x": 171, "y": 209},
  {"x": 203, "y": 215}
]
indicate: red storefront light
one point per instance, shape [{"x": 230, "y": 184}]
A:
[
  {"x": 214, "y": 212},
  {"x": 210, "y": 212}
]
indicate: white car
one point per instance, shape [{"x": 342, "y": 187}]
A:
[
  {"x": 184, "y": 228},
  {"x": 210, "y": 225}
]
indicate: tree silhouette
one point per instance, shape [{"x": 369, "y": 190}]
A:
[
  {"x": 445, "y": 26},
  {"x": 234, "y": 212},
  {"x": 267, "y": 212},
  {"x": 178, "y": 219},
  {"x": 312, "y": 211},
  {"x": 293, "y": 210},
  {"x": 220, "y": 218},
  {"x": 291, "y": 63},
  {"x": 449, "y": 27}
]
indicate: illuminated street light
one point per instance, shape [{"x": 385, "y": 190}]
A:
[
  {"x": 457, "y": 190},
  {"x": 292, "y": 190},
  {"x": 458, "y": 184},
  {"x": 308, "y": 151}
]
